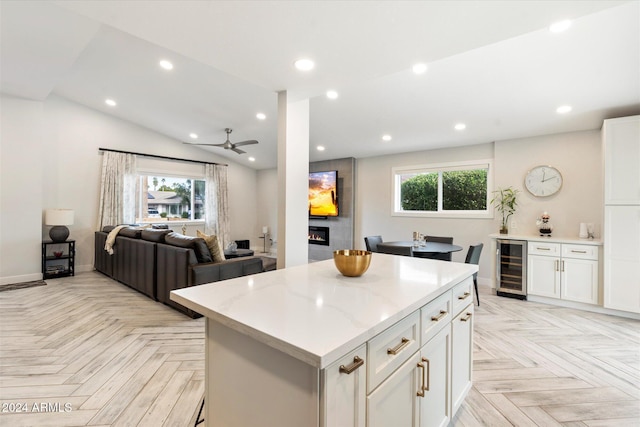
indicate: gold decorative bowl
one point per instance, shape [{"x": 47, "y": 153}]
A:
[{"x": 352, "y": 263}]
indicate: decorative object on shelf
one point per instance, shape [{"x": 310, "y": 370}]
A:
[
  {"x": 59, "y": 219},
  {"x": 57, "y": 254},
  {"x": 583, "y": 231},
  {"x": 352, "y": 263},
  {"x": 505, "y": 200},
  {"x": 543, "y": 181},
  {"x": 544, "y": 225}
]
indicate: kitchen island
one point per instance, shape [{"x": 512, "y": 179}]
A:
[{"x": 306, "y": 346}]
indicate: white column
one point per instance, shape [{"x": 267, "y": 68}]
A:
[{"x": 293, "y": 181}]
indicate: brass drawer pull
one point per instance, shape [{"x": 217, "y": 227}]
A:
[
  {"x": 578, "y": 252},
  {"x": 439, "y": 316},
  {"x": 426, "y": 388},
  {"x": 397, "y": 349},
  {"x": 542, "y": 249},
  {"x": 465, "y": 295},
  {"x": 467, "y": 317},
  {"x": 357, "y": 362},
  {"x": 421, "y": 390}
]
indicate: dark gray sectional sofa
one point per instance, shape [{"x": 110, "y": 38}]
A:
[{"x": 155, "y": 262}]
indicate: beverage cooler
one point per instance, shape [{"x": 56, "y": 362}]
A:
[{"x": 511, "y": 268}]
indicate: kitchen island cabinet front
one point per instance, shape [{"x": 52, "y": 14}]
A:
[{"x": 292, "y": 347}]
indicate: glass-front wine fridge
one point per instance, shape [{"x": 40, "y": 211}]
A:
[{"x": 511, "y": 268}]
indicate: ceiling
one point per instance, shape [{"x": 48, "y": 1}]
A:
[{"x": 492, "y": 65}]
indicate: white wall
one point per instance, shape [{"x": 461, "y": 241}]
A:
[
  {"x": 62, "y": 168},
  {"x": 268, "y": 207},
  {"x": 577, "y": 155}
]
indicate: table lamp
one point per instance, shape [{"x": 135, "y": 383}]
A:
[{"x": 59, "y": 219}]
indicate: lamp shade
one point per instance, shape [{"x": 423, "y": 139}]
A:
[{"x": 58, "y": 217}]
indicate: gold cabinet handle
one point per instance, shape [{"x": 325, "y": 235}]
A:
[
  {"x": 542, "y": 249},
  {"x": 465, "y": 295},
  {"x": 467, "y": 317},
  {"x": 439, "y": 316},
  {"x": 578, "y": 252},
  {"x": 357, "y": 362},
  {"x": 426, "y": 388},
  {"x": 421, "y": 389},
  {"x": 397, "y": 349},
  {"x": 563, "y": 266}
]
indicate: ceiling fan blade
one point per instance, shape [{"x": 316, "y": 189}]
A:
[
  {"x": 251, "y": 141},
  {"x": 239, "y": 151},
  {"x": 203, "y": 143}
]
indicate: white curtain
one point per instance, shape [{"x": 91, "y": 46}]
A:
[
  {"x": 216, "y": 203},
  {"x": 118, "y": 189}
]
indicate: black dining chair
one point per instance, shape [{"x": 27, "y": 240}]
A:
[
  {"x": 473, "y": 257},
  {"x": 440, "y": 239},
  {"x": 395, "y": 250},
  {"x": 372, "y": 243}
]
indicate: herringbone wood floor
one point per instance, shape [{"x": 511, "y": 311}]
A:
[{"x": 117, "y": 358}]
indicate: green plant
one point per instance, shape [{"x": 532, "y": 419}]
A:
[
  {"x": 163, "y": 214},
  {"x": 505, "y": 200}
]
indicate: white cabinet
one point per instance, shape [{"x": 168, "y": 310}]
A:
[
  {"x": 461, "y": 356},
  {"x": 345, "y": 398},
  {"x": 621, "y": 139},
  {"x": 435, "y": 408},
  {"x": 622, "y": 258},
  {"x": 395, "y": 401},
  {"x": 565, "y": 271}
]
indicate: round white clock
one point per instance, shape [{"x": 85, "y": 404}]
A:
[{"x": 543, "y": 181}]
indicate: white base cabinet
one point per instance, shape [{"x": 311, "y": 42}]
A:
[
  {"x": 461, "y": 361},
  {"x": 564, "y": 271}
]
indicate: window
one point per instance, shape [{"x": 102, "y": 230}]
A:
[
  {"x": 444, "y": 190},
  {"x": 170, "y": 198}
]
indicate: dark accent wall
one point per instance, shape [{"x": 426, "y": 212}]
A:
[{"x": 342, "y": 226}]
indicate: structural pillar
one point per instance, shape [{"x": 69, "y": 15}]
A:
[{"x": 293, "y": 181}]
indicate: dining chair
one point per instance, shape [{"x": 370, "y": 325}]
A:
[
  {"x": 440, "y": 239},
  {"x": 372, "y": 243},
  {"x": 395, "y": 250},
  {"x": 473, "y": 257}
]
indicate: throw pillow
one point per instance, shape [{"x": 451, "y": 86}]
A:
[{"x": 213, "y": 245}]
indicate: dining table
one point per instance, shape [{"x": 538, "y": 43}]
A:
[{"x": 427, "y": 249}]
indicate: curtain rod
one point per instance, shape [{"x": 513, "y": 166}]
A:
[{"x": 162, "y": 157}]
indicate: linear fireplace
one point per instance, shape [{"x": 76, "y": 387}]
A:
[{"x": 318, "y": 235}]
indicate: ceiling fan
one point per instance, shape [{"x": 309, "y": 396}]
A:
[{"x": 228, "y": 145}]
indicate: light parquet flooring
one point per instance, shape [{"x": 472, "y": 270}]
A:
[{"x": 97, "y": 353}]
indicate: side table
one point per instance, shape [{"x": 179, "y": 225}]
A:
[{"x": 58, "y": 259}]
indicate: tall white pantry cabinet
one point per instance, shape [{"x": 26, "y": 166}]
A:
[{"x": 621, "y": 146}]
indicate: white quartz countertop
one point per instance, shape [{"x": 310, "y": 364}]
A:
[
  {"x": 533, "y": 238},
  {"x": 315, "y": 314}
]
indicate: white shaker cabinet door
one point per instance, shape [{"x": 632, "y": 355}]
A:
[
  {"x": 345, "y": 391},
  {"x": 622, "y": 157},
  {"x": 435, "y": 406},
  {"x": 580, "y": 280},
  {"x": 395, "y": 401},
  {"x": 622, "y": 258},
  {"x": 543, "y": 276},
  {"x": 461, "y": 356}
]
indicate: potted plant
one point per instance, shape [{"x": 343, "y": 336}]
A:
[{"x": 505, "y": 200}]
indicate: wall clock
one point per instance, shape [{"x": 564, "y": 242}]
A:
[{"x": 543, "y": 181}]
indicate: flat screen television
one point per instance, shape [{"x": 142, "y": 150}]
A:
[{"x": 323, "y": 193}]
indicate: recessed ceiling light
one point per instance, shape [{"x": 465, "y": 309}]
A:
[
  {"x": 420, "y": 68},
  {"x": 560, "y": 26},
  {"x": 460, "y": 126},
  {"x": 252, "y": 159},
  {"x": 110, "y": 102},
  {"x": 304, "y": 64},
  {"x": 261, "y": 116},
  {"x": 320, "y": 147},
  {"x": 193, "y": 135},
  {"x": 332, "y": 94},
  {"x": 386, "y": 137},
  {"x": 563, "y": 109},
  {"x": 166, "y": 64}
]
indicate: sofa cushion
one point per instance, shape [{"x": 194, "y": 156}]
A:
[
  {"x": 213, "y": 244},
  {"x": 196, "y": 243},
  {"x": 160, "y": 226},
  {"x": 154, "y": 235},
  {"x": 108, "y": 228},
  {"x": 131, "y": 232}
]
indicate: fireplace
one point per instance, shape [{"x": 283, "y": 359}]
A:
[{"x": 318, "y": 235}]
